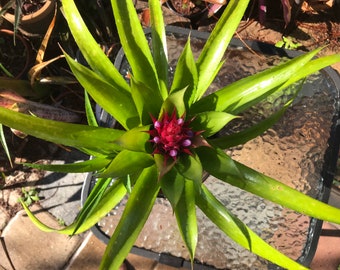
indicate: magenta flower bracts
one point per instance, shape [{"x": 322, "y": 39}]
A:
[{"x": 172, "y": 136}]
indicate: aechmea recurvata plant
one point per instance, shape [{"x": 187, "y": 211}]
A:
[{"x": 166, "y": 141}]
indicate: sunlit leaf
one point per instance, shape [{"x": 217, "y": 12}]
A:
[
  {"x": 239, "y": 232},
  {"x": 172, "y": 185},
  {"x": 136, "y": 139},
  {"x": 211, "y": 122},
  {"x": 110, "y": 199},
  {"x": 90, "y": 116},
  {"x": 92, "y": 201},
  {"x": 142, "y": 96},
  {"x": 90, "y": 49},
  {"x": 175, "y": 100},
  {"x": 97, "y": 139},
  {"x": 220, "y": 165},
  {"x": 186, "y": 76},
  {"x": 90, "y": 165},
  {"x": 185, "y": 212},
  {"x": 250, "y": 133},
  {"x": 191, "y": 168},
  {"x": 134, "y": 43},
  {"x": 135, "y": 214},
  {"x": 159, "y": 45},
  {"x": 244, "y": 93},
  {"x": 127, "y": 162},
  {"x": 214, "y": 48},
  {"x": 116, "y": 102},
  {"x": 163, "y": 165}
]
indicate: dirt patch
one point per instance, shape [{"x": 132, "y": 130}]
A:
[{"x": 313, "y": 28}]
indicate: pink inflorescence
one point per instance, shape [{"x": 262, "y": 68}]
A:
[{"x": 171, "y": 135}]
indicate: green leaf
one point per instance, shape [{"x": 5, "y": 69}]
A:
[
  {"x": 134, "y": 43},
  {"x": 136, "y": 139},
  {"x": 175, "y": 100},
  {"x": 90, "y": 49},
  {"x": 163, "y": 166},
  {"x": 248, "y": 134},
  {"x": 91, "y": 165},
  {"x": 211, "y": 122},
  {"x": 4, "y": 144},
  {"x": 248, "y": 91},
  {"x": 127, "y": 162},
  {"x": 91, "y": 202},
  {"x": 99, "y": 140},
  {"x": 112, "y": 196},
  {"x": 17, "y": 17},
  {"x": 239, "y": 232},
  {"x": 90, "y": 116},
  {"x": 21, "y": 87},
  {"x": 191, "y": 168},
  {"x": 147, "y": 101},
  {"x": 159, "y": 45},
  {"x": 172, "y": 185},
  {"x": 114, "y": 100},
  {"x": 186, "y": 76},
  {"x": 314, "y": 66},
  {"x": 220, "y": 165},
  {"x": 6, "y": 6},
  {"x": 135, "y": 214},
  {"x": 185, "y": 212},
  {"x": 217, "y": 43},
  {"x": 217, "y": 163},
  {"x": 252, "y": 132},
  {"x": 127, "y": 184},
  {"x": 110, "y": 199}
]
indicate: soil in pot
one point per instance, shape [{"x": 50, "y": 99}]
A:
[
  {"x": 187, "y": 8},
  {"x": 29, "y": 7},
  {"x": 14, "y": 56}
]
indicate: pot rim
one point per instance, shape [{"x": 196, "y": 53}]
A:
[{"x": 33, "y": 17}]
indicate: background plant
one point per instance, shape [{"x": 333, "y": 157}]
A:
[
  {"x": 166, "y": 137},
  {"x": 287, "y": 43},
  {"x": 29, "y": 196},
  {"x": 16, "y": 5}
]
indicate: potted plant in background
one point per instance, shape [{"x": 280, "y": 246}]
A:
[
  {"x": 189, "y": 8},
  {"x": 197, "y": 12},
  {"x": 30, "y": 17},
  {"x": 166, "y": 142}
]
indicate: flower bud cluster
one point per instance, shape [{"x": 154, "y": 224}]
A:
[{"x": 171, "y": 135}]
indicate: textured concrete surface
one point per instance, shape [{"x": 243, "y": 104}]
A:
[
  {"x": 89, "y": 255},
  {"x": 28, "y": 247},
  {"x": 59, "y": 192}
]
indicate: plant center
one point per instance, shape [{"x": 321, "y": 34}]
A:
[{"x": 171, "y": 136}]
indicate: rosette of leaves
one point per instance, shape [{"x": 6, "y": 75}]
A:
[{"x": 166, "y": 142}]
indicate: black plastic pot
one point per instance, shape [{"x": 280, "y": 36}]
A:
[{"x": 308, "y": 134}]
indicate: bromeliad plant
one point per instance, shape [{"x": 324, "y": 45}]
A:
[{"x": 166, "y": 142}]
